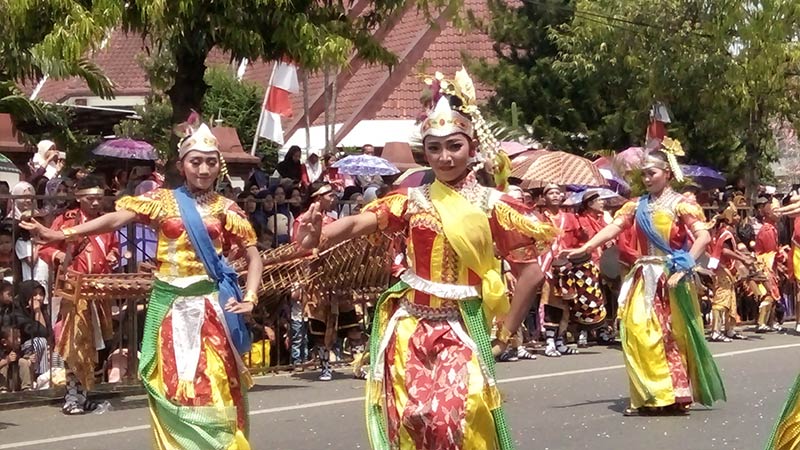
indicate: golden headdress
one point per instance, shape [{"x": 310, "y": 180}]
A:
[
  {"x": 672, "y": 148},
  {"x": 196, "y": 136},
  {"x": 200, "y": 140},
  {"x": 455, "y": 110},
  {"x": 729, "y": 212}
]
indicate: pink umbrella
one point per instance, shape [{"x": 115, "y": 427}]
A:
[
  {"x": 623, "y": 161},
  {"x": 629, "y": 158},
  {"x": 513, "y": 148}
]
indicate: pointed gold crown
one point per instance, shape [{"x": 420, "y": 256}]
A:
[
  {"x": 201, "y": 140},
  {"x": 444, "y": 121}
]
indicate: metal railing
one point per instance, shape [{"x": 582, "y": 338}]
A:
[{"x": 270, "y": 355}]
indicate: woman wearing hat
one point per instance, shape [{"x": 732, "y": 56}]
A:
[
  {"x": 194, "y": 330},
  {"x": 431, "y": 381},
  {"x": 666, "y": 355}
]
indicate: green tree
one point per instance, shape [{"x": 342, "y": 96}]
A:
[
  {"x": 313, "y": 34},
  {"x": 50, "y": 38},
  {"x": 236, "y": 103},
  {"x": 726, "y": 70}
]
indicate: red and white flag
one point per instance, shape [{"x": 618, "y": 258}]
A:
[{"x": 277, "y": 102}]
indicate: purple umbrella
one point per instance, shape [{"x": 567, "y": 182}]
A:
[
  {"x": 706, "y": 177},
  {"x": 367, "y": 165},
  {"x": 127, "y": 149}
]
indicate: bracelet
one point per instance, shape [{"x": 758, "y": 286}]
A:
[
  {"x": 250, "y": 297},
  {"x": 503, "y": 335},
  {"x": 69, "y": 233}
]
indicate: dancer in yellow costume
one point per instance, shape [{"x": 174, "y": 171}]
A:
[
  {"x": 666, "y": 356},
  {"x": 431, "y": 382},
  {"x": 786, "y": 435},
  {"x": 194, "y": 332}
]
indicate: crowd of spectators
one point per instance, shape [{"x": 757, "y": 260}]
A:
[{"x": 47, "y": 190}]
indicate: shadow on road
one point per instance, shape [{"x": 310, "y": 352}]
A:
[
  {"x": 4, "y": 425},
  {"x": 272, "y": 387},
  {"x": 313, "y": 375},
  {"x": 617, "y": 405}
]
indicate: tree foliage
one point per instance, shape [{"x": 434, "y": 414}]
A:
[
  {"x": 587, "y": 79},
  {"x": 228, "y": 101},
  {"x": 314, "y": 34},
  {"x": 50, "y": 38}
]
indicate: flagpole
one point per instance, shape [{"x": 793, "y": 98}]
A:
[{"x": 264, "y": 107}]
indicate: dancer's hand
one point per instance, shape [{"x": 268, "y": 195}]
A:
[
  {"x": 574, "y": 252},
  {"x": 237, "y": 307},
  {"x": 45, "y": 235},
  {"x": 310, "y": 230},
  {"x": 674, "y": 279}
]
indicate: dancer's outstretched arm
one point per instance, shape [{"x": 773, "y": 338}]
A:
[
  {"x": 103, "y": 224},
  {"x": 311, "y": 235}
]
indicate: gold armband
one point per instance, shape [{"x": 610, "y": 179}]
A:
[
  {"x": 69, "y": 233},
  {"x": 250, "y": 297}
]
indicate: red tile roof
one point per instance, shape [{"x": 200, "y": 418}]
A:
[
  {"x": 441, "y": 49},
  {"x": 366, "y": 91}
]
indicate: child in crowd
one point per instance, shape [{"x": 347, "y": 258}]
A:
[
  {"x": 6, "y": 247},
  {"x": 15, "y": 366}
]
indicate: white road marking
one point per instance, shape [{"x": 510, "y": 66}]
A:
[{"x": 361, "y": 399}]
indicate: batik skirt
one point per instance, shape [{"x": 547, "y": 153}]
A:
[{"x": 196, "y": 381}]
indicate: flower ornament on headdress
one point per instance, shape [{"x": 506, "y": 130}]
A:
[
  {"x": 673, "y": 148},
  {"x": 465, "y": 117}
]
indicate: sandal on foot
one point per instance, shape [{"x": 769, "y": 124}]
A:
[
  {"x": 73, "y": 409},
  {"x": 552, "y": 352},
  {"x": 568, "y": 351},
  {"x": 523, "y": 353},
  {"x": 631, "y": 412}
]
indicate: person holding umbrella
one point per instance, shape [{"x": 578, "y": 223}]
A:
[{"x": 429, "y": 341}]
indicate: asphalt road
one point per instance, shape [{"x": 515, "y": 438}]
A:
[{"x": 572, "y": 402}]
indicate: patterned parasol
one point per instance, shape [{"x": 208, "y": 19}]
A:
[
  {"x": 6, "y": 165},
  {"x": 562, "y": 168},
  {"x": 126, "y": 149},
  {"x": 366, "y": 165}
]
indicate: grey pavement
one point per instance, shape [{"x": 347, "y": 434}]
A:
[{"x": 572, "y": 402}]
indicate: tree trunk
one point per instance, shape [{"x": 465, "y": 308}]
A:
[{"x": 185, "y": 95}]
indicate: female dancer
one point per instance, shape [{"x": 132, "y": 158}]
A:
[
  {"x": 194, "y": 331},
  {"x": 431, "y": 379},
  {"x": 786, "y": 435},
  {"x": 668, "y": 362}
]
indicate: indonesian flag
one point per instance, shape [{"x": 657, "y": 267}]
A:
[
  {"x": 656, "y": 129},
  {"x": 277, "y": 103}
]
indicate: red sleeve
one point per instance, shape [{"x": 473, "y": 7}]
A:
[
  {"x": 390, "y": 211},
  {"x": 572, "y": 232},
  {"x": 47, "y": 251},
  {"x": 766, "y": 240},
  {"x": 519, "y": 236},
  {"x": 796, "y": 232},
  {"x": 626, "y": 242}
]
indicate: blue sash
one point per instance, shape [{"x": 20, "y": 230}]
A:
[
  {"x": 677, "y": 260},
  {"x": 217, "y": 268}
]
